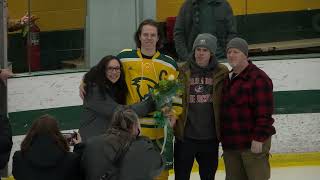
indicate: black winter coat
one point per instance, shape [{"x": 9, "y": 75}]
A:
[{"x": 44, "y": 160}]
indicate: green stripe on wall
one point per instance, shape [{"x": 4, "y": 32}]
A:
[
  {"x": 68, "y": 117},
  {"x": 296, "y": 102},
  {"x": 286, "y": 102},
  {"x": 281, "y": 26}
]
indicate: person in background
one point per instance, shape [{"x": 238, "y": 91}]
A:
[
  {"x": 246, "y": 116},
  {"x": 5, "y": 140},
  {"x": 197, "y": 130},
  {"x": 45, "y": 153},
  {"x": 106, "y": 90},
  {"x": 120, "y": 153},
  {"x": 5, "y": 127},
  {"x": 15, "y": 25},
  {"x": 203, "y": 16},
  {"x": 5, "y": 74}
]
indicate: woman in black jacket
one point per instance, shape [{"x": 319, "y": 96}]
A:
[
  {"x": 45, "y": 154},
  {"x": 106, "y": 90},
  {"x": 120, "y": 153}
]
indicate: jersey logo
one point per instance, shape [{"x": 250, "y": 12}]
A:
[
  {"x": 143, "y": 85},
  {"x": 199, "y": 89}
]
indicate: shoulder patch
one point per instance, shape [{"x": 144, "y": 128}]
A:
[
  {"x": 127, "y": 53},
  {"x": 168, "y": 59},
  {"x": 124, "y": 50}
]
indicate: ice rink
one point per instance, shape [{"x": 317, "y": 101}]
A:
[{"x": 286, "y": 173}]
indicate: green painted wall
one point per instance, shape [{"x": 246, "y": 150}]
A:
[
  {"x": 286, "y": 102},
  {"x": 280, "y": 26}
]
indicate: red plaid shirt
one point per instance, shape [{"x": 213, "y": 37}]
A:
[{"x": 247, "y": 107}]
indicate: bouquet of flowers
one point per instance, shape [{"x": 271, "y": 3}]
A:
[{"x": 164, "y": 94}]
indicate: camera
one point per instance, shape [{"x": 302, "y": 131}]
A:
[{"x": 69, "y": 137}]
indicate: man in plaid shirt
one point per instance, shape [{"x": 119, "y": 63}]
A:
[{"x": 246, "y": 117}]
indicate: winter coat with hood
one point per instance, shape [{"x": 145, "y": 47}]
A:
[
  {"x": 219, "y": 73},
  {"x": 45, "y": 160},
  {"x": 141, "y": 161}
]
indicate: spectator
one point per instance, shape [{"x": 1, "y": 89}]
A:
[
  {"x": 14, "y": 25},
  {"x": 203, "y": 16}
]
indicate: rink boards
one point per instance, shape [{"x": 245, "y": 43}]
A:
[{"x": 296, "y": 92}]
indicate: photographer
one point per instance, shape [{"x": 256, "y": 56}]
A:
[{"x": 45, "y": 153}]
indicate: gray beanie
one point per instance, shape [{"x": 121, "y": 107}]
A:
[
  {"x": 206, "y": 40},
  {"x": 238, "y": 43}
]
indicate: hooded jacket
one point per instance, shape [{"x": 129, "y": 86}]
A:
[
  {"x": 45, "y": 160},
  {"x": 141, "y": 161},
  {"x": 219, "y": 73}
]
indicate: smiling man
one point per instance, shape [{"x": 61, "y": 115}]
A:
[
  {"x": 144, "y": 67},
  {"x": 246, "y": 117}
]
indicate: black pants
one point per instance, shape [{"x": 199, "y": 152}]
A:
[{"x": 206, "y": 154}]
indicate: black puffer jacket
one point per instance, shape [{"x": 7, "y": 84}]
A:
[{"x": 44, "y": 160}]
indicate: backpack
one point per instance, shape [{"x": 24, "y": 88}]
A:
[{"x": 112, "y": 173}]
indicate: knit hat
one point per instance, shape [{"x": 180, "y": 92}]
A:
[
  {"x": 238, "y": 43},
  {"x": 205, "y": 40}
]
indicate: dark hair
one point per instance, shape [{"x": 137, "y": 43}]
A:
[
  {"x": 124, "y": 119},
  {"x": 96, "y": 77},
  {"x": 150, "y": 22},
  {"x": 45, "y": 125}
]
